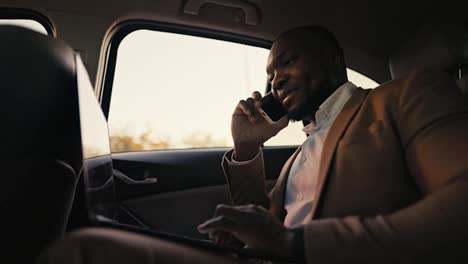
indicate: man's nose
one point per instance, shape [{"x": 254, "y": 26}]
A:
[{"x": 279, "y": 81}]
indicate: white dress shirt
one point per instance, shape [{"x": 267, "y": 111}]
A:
[
  {"x": 300, "y": 187},
  {"x": 302, "y": 179}
]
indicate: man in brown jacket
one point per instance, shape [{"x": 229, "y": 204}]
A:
[{"x": 381, "y": 178}]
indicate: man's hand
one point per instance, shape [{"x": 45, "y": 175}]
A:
[
  {"x": 250, "y": 129},
  {"x": 254, "y": 226}
]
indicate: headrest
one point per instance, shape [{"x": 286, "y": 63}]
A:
[
  {"x": 39, "y": 110},
  {"x": 442, "y": 47}
]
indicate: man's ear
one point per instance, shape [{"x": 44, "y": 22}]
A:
[
  {"x": 338, "y": 69},
  {"x": 338, "y": 62},
  {"x": 333, "y": 73}
]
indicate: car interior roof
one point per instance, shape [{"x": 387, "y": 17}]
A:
[{"x": 369, "y": 31}]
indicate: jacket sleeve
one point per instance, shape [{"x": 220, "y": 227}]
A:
[
  {"x": 432, "y": 122},
  {"x": 246, "y": 181}
]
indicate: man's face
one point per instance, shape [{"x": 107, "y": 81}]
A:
[{"x": 298, "y": 78}]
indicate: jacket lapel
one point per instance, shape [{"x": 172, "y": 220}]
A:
[
  {"x": 277, "y": 196},
  {"x": 334, "y": 135}
]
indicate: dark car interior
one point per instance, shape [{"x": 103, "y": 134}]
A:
[
  {"x": 41, "y": 157},
  {"x": 58, "y": 90}
]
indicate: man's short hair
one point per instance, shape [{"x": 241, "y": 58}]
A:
[{"x": 317, "y": 35}]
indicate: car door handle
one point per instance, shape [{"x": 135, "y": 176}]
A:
[
  {"x": 120, "y": 175},
  {"x": 192, "y": 7}
]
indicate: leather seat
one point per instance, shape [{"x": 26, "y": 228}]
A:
[
  {"x": 443, "y": 47},
  {"x": 41, "y": 151}
]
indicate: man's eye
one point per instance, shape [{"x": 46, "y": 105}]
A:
[
  {"x": 288, "y": 61},
  {"x": 270, "y": 78}
]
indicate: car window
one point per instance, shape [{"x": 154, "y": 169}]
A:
[
  {"x": 27, "y": 23},
  {"x": 175, "y": 91}
]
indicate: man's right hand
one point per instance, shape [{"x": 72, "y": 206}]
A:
[{"x": 250, "y": 129}]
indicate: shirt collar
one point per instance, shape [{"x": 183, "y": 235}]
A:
[{"x": 330, "y": 109}]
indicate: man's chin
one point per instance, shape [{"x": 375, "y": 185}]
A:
[
  {"x": 300, "y": 113},
  {"x": 296, "y": 115}
]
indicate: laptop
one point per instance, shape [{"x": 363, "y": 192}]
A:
[{"x": 101, "y": 205}]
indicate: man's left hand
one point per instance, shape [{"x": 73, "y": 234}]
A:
[{"x": 253, "y": 225}]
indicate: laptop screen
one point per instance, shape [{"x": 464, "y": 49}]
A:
[{"x": 97, "y": 161}]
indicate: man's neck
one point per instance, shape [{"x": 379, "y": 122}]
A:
[
  {"x": 310, "y": 118},
  {"x": 327, "y": 104}
]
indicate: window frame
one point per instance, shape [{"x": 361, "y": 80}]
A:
[
  {"x": 23, "y": 13},
  {"x": 123, "y": 29}
]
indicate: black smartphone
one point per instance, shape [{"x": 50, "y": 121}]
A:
[{"x": 271, "y": 109}]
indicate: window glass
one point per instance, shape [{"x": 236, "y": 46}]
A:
[
  {"x": 173, "y": 91},
  {"x": 27, "y": 23},
  {"x": 93, "y": 124}
]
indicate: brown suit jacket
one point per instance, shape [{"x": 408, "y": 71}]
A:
[{"x": 393, "y": 178}]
